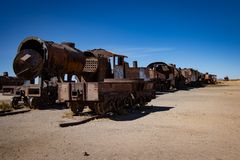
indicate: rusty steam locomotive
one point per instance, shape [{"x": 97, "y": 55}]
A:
[
  {"x": 103, "y": 80},
  {"x": 168, "y": 77}
]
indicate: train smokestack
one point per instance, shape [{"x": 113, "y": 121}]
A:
[{"x": 135, "y": 64}]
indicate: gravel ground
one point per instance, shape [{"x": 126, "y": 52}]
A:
[{"x": 201, "y": 123}]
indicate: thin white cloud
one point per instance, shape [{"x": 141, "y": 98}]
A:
[{"x": 142, "y": 51}]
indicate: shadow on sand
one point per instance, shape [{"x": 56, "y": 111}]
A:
[
  {"x": 52, "y": 107},
  {"x": 130, "y": 115},
  {"x": 139, "y": 113},
  {"x": 183, "y": 88}
]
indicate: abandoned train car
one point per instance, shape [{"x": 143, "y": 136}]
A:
[
  {"x": 104, "y": 81},
  {"x": 9, "y": 84}
]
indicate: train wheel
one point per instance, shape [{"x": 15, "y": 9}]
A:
[
  {"x": 164, "y": 88},
  {"x": 76, "y": 108},
  {"x": 142, "y": 102},
  {"x": 34, "y": 102},
  {"x": 15, "y": 104},
  {"x": 127, "y": 102},
  {"x": 26, "y": 102},
  {"x": 119, "y": 106},
  {"x": 111, "y": 104},
  {"x": 100, "y": 108},
  {"x": 153, "y": 95}
]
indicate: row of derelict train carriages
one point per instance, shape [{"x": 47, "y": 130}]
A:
[{"x": 98, "y": 79}]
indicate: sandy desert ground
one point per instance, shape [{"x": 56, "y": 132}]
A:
[{"x": 201, "y": 123}]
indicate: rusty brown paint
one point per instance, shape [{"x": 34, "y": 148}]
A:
[{"x": 36, "y": 57}]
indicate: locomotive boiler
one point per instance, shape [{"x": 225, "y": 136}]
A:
[
  {"x": 192, "y": 77},
  {"x": 47, "y": 59},
  {"x": 165, "y": 76},
  {"x": 104, "y": 81}
]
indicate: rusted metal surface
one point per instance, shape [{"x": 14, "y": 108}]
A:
[
  {"x": 164, "y": 69},
  {"x": 163, "y": 75},
  {"x": 131, "y": 88},
  {"x": 187, "y": 74},
  {"x": 37, "y": 57},
  {"x": 6, "y": 81},
  {"x": 128, "y": 86},
  {"x": 104, "y": 83},
  {"x": 136, "y": 72},
  {"x": 210, "y": 78},
  {"x": 97, "y": 66},
  {"x": 192, "y": 76},
  {"x": 28, "y": 64},
  {"x": 10, "y": 90},
  {"x": 103, "y": 52}
]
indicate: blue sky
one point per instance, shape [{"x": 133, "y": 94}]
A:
[{"x": 201, "y": 34}]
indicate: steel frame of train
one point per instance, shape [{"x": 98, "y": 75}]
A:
[
  {"x": 9, "y": 84},
  {"x": 168, "y": 77},
  {"x": 104, "y": 81}
]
